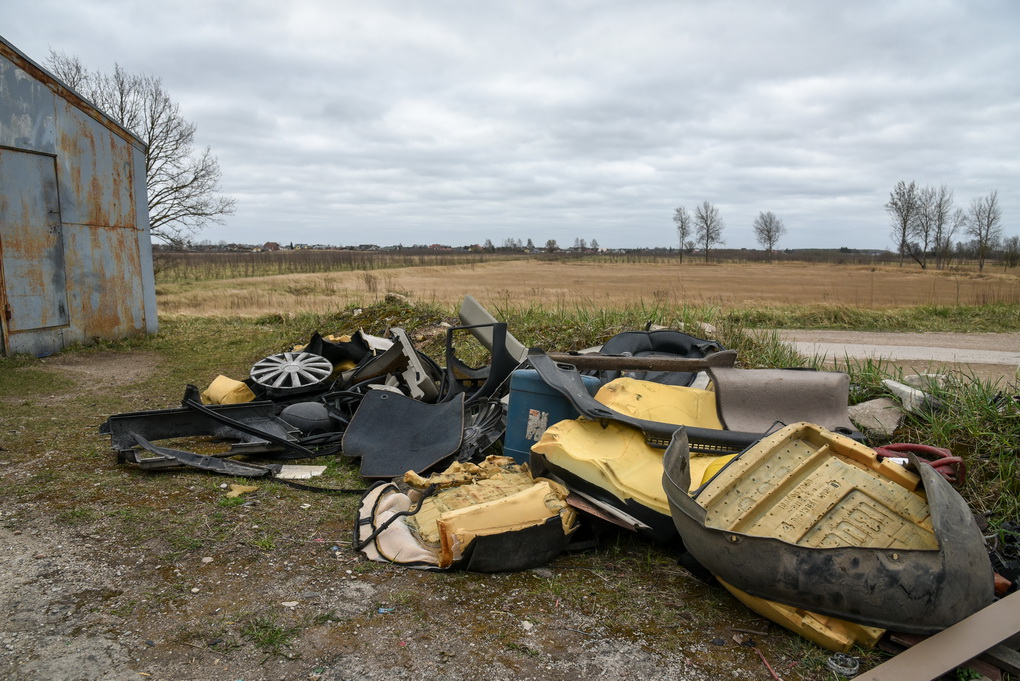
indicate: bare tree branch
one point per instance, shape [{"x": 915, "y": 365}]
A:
[
  {"x": 947, "y": 221},
  {"x": 902, "y": 208},
  {"x": 183, "y": 184}
]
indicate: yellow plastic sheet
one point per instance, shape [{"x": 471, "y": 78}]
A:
[{"x": 616, "y": 457}]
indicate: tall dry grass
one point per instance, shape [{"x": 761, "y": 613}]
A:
[{"x": 838, "y": 290}]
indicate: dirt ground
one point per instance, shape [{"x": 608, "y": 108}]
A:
[
  {"x": 89, "y": 597},
  {"x": 86, "y": 601}
]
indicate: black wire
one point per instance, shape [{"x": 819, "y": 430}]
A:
[{"x": 429, "y": 491}]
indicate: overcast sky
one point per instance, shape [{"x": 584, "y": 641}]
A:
[{"x": 453, "y": 122}]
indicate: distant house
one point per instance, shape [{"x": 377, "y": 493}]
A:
[
  {"x": 75, "y": 252},
  {"x": 271, "y": 246}
]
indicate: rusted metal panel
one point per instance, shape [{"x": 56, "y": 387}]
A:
[
  {"x": 33, "y": 251},
  {"x": 148, "y": 277},
  {"x": 26, "y": 111},
  {"x": 5, "y": 308},
  {"x": 75, "y": 254},
  {"x": 95, "y": 172},
  {"x": 109, "y": 255},
  {"x": 17, "y": 60}
]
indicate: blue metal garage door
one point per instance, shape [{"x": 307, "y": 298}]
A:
[{"x": 31, "y": 245}]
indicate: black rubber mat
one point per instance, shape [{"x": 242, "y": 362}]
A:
[{"x": 394, "y": 434}]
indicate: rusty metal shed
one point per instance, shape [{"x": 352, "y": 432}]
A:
[{"x": 75, "y": 253}]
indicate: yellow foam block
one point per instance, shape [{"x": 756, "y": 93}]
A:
[
  {"x": 617, "y": 459},
  {"x": 225, "y": 390},
  {"x": 830, "y": 633},
  {"x": 664, "y": 403}
]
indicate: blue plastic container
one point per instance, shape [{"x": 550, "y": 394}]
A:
[{"x": 533, "y": 407}]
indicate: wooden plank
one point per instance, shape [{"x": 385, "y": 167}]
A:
[
  {"x": 954, "y": 646},
  {"x": 987, "y": 669}
]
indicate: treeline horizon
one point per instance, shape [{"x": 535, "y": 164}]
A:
[{"x": 178, "y": 266}]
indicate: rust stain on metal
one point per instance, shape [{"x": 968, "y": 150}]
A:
[
  {"x": 5, "y": 307},
  {"x": 113, "y": 311},
  {"x": 66, "y": 93},
  {"x": 71, "y": 265}
]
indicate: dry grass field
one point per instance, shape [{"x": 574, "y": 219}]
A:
[{"x": 589, "y": 283}]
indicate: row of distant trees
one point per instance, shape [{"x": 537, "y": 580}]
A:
[
  {"x": 551, "y": 246},
  {"x": 704, "y": 229},
  {"x": 926, "y": 223},
  {"x": 926, "y": 226}
]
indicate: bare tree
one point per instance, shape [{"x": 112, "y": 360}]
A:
[
  {"x": 922, "y": 226},
  {"x": 1010, "y": 252},
  {"x": 709, "y": 226},
  {"x": 551, "y": 246},
  {"x": 984, "y": 224},
  {"x": 957, "y": 223},
  {"x": 684, "y": 229},
  {"x": 902, "y": 206},
  {"x": 767, "y": 230},
  {"x": 183, "y": 184},
  {"x": 946, "y": 222},
  {"x": 933, "y": 225}
]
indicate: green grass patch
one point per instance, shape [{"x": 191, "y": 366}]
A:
[
  {"x": 24, "y": 379},
  {"x": 268, "y": 634},
  {"x": 992, "y": 318},
  {"x": 979, "y": 421}
]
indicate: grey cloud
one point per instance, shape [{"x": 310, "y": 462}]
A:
[{"x": 437, "y": 122}]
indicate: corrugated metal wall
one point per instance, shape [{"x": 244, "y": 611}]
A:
[{"x": 75, "y": 254}]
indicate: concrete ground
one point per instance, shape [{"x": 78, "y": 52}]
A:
[{"x": 984, "y": 355}]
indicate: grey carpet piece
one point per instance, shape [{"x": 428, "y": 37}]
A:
[
  {"x": 394, "y": 434},
  {"x": 753, "y": 400}
]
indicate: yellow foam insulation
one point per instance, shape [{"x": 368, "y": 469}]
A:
[
  {"x": 830, "y": 633},
  {"x": 807, "y": 486},
  {"x": 664, "y": 403},
  {"x": 463, "y": 473},
  {"x": 616, "y": 458},
  {"x": 493, "y": 497},
  {"x": 225, "y": 390},
  {"x": 238, "y": 490}
]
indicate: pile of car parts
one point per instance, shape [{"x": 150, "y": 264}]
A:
[
  {"x": 336, "y": 394},
  {"x": 758, "y": 477}
]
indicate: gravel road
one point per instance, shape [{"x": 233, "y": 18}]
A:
[{"x": 986, "y": 355}]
